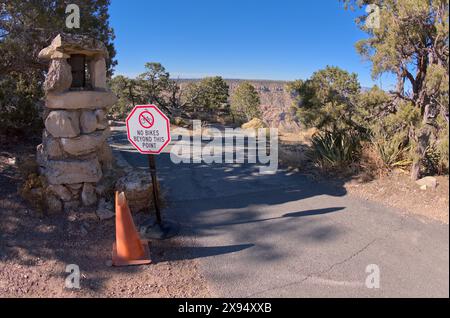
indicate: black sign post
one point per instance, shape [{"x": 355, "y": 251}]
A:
[
  {"x": 152, "y": 166},
  {"x": 148, "y": 130},
  {"x": 157, "y": 228}
]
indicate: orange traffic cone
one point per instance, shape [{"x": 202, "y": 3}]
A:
[{"x": 129, "y": 249}]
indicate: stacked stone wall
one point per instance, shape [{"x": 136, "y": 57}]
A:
[{"x": 74, "y": 155}]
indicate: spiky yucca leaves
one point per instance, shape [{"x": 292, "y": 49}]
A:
[
  {"x": 332, "y": 149},
  {"x": 392, "y": 151}
]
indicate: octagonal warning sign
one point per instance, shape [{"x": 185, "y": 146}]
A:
[{"x": 148, "y": 129}]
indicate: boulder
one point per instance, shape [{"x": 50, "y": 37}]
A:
[
  {"x": 102, "y": 122},
  {"x": 80, "y": 100},
  {"x": 138, "y": 190},
  {"x": 88, "y": 122},
  {"x": 59, "y": 76},
  {"x": 65, "y": 44},
  {"x": 72, "y": 171},
  {"x": 75, "y": 189},
  {"x": 60, "y": 191},
  {"x": 71, "y": 205},
  {"x": 98, "y": 73},
  {"x": 84, "y": 144},
  {"x": 255, "y": 123},
  {"x": 106, "y": 186},
  {"x": 427, "y": 182},
  {"x": 88, "y": 195},
  {"x": 61, "y": 123},
  {"x": 43, "y": 155},
  {"x": 51, "y": 146},
  {"x": 105, "y": 156},
  {"x": 75, "y": 186},
  {"x": 105, "y": 210},
  {"x": 54, "y": 205}
]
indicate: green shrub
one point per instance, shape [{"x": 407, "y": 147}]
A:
[
  {"x": 436, "y": 158},
  {"x": 19, "y": 111},
  {"x": 443, "y": 150},
  {"x": 389, "y": 135},
  {"x": 245, "y": 103},
  {"x": 332, "y": 149}
]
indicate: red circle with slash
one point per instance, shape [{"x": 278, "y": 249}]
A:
[{"x": 146, "y": 119}]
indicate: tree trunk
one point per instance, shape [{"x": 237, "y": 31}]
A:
[
  {"x": 131, "y": 96},
  {"x": 423, "y": 140}
]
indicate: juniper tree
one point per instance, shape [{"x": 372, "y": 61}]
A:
[
  {"x": 245, "y": 102},
  {"x": 410, "y": 40},
  {"x": 210, "y": 94},
  {"x": 328, "y": 99}
]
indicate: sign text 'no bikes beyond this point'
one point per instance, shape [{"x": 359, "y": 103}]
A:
[{"x": 148, "y": 129}]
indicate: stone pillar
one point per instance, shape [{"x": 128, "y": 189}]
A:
[{"x": 74, "y": 154}]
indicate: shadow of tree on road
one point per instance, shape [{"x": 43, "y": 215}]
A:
[
  {"x": 287, "y": 215},
  {"x": 234, "y": 201},
  {"x": 195, "y": 252}
]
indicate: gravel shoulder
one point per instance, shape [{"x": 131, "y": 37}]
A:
[
  {"x": 34, "y": 252},
  {"x": 398, "y": 191}
]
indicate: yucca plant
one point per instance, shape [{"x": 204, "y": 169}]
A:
[
  {"x": 335, "y": 148},
  {"x": 392, "y": 151}
]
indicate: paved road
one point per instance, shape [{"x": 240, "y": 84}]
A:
[{"x": 285, "y": 236}]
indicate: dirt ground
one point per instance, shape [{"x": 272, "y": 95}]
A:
[
  {"x": 34, "y": 252},
  {"x": 397, "y": 190}
]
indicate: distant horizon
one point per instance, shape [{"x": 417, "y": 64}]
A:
[{"x": 235, "y": 79}]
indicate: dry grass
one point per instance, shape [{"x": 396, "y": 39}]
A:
[
  {"x": 303, "y": 137},
  {"x": 255, "y": 123},
  {"x": 294, "y": 150},
  {"x": 371, "y": 165}
]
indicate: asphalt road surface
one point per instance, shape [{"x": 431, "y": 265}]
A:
[{"x": 283, "y": 235}]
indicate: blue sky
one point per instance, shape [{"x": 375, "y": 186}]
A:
[{"x": 249, "y": 39}]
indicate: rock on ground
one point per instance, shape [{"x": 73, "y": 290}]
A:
[
  {"x": 88, "y": 195},
  {"x": 105, "y": 210},
  {"x": 427, "y": 182},
  {"x": 138, "y": 190}
]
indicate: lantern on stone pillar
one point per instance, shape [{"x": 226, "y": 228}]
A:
[
  {"x": 77, "y": 63},
  {"x": 74, "y": 155}
]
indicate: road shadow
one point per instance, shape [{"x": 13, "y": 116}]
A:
[
  {"x": 287, "y": 215},
  {"x": 181, "y": 252},
  {"x": 236, "y": 202}
]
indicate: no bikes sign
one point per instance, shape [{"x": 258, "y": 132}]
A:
[{"x": 148, "y": 129}]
